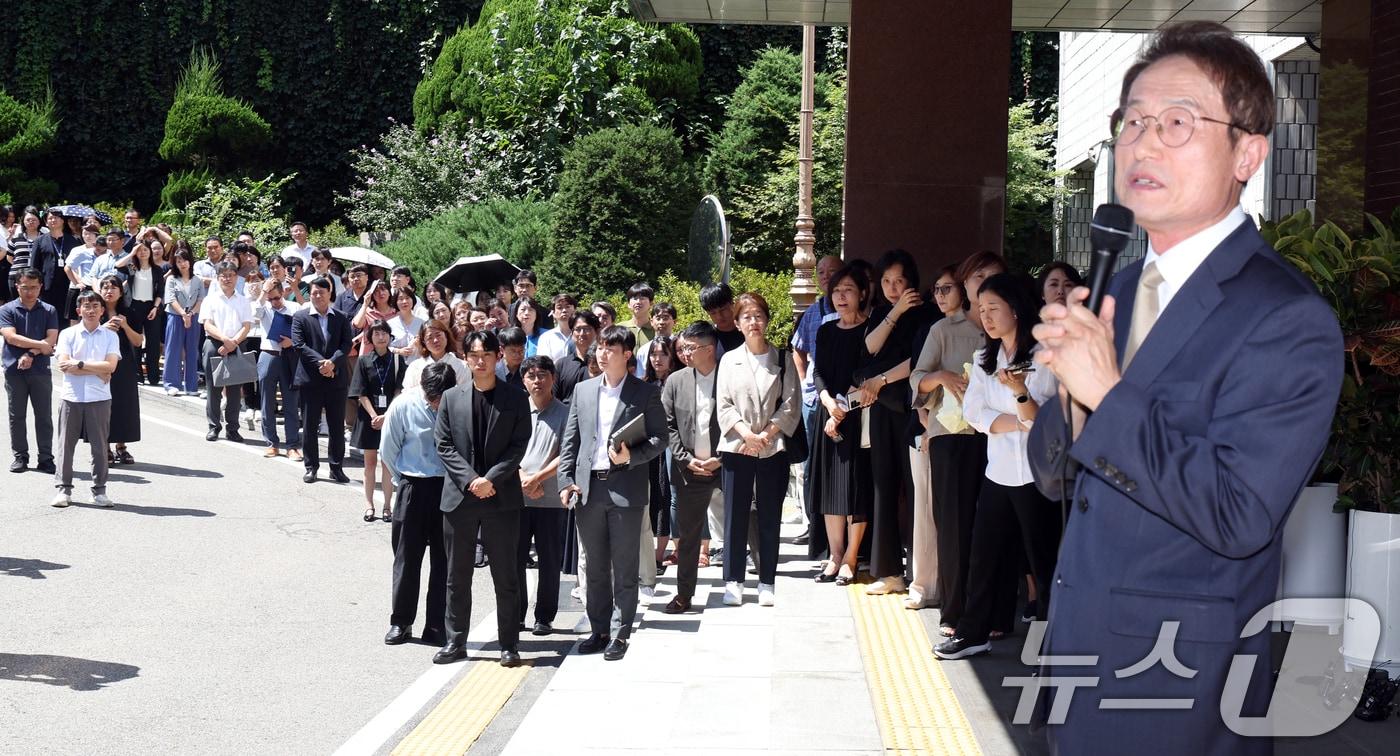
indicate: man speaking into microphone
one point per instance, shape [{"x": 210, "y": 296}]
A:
[{"x": 1203, "y": 394}]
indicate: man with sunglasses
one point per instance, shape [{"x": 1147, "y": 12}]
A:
[{"x": 1202, "y": 394}]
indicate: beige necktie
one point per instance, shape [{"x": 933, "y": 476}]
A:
[{"x": 1144, "y": 311}]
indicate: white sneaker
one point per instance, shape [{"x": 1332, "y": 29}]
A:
[
  {"x": 647, "y": 591},
  {"x": 733, "y": 594},
  {"x": 61, "y": 500},
  {"x": 765, "y": 594},
  {"x": 577, "y": 593},
  {"x": 102, "y": 500},
  {"x": 249, "y": 418},
  {"x": 172, "y": 391},
  {"x": 892, "y": 584}
]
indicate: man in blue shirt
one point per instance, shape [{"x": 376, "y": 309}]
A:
[
  {"x": 30, "y": 330},
  {"x": 408, "y": 447},
  {"x": 804, "y": 357}
]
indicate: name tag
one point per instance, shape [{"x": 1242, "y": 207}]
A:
[{"x": 381, "y": 401}]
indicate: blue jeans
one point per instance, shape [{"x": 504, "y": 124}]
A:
[
  {"x": 181, "y": 354},
  {"x": 276, "y": 371}
]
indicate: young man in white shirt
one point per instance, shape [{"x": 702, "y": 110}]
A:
[
  {"x": 227, "y": 318},
  {"x": 300, "y": 247},
  {"x": 555, "y": 343},
  {"x": 277, "y": 365},
  {"x": 87, "y": 356}
]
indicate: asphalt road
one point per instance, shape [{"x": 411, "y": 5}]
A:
[{"x": 222, "y": 606}]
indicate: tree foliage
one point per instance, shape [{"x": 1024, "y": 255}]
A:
[
  {"x": 205, "y": 128},
  {"x": 228, "y": 206},
  {"x": 1032, "y": 186},
  {"x": 27, "y": 132},
  {"x": 622, "y": 210},
  {"x": 757, "y": 124},
  {"x": 544, "y": 72},
  {"x": 517, "y": 230}
]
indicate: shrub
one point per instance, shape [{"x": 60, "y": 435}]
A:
[
  {"x": 204, "y": 127},
  {"x": 517, "y": 230},
  {"x": 757, "y": 124},
  {"x": 183, "y": 187},
  {"x": 27, "y": 132},
  {"x": 546, "y": 71},
  {"x": 333, "y": 234},
  {"x": 685, "y": 295},
  {"x": 622, "y": 210},
  {"x": 415, "y": 176},
  {"x": 230, "y": 205}
]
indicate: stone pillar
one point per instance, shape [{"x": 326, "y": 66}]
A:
[{"x": 926, "y": 128}]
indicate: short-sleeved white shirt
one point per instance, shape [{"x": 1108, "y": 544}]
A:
[{"x": 96, "y": 345}]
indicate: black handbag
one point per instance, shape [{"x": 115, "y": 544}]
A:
[{"x": 795, "y": 443}]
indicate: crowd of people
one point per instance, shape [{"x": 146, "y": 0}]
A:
[{"x": 500, "y": 429}]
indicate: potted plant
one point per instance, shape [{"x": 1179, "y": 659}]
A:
[{"x": 1360, "y": 469}]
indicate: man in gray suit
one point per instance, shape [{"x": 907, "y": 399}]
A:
[
  {"x": 610, "y": 486},
  {"x": 693, "y": 417},
  {"x": 483, "y": 429}
]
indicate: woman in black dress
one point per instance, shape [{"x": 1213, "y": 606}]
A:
[
  {"x": 126, "y": 400},
  {"x": 841, "y": 468},
  {"x": 377, "y": 380}
]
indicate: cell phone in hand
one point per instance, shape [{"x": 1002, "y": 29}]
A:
[{"x": 1020, "y": 368}]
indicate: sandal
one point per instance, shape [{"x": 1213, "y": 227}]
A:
[
  {"x": 947, "y": 631},
  {"x": 111, "y": 458},
  {"x": 124, "y": 457},
  {"x": 387, "y": 515},
  {"x": 704, "y": 559},
  {"x": 369, "y": 515}
]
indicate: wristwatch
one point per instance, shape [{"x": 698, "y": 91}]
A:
[
  {"x": 80, "y": 364},
  {"x": 1023, "y": 398}
]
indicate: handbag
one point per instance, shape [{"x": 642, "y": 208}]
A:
[
  {"x": 234, "y": 370},
  {"x": 795, "y": 443}
]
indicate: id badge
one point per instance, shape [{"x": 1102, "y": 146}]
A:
[{"x": 381, "y": 401}]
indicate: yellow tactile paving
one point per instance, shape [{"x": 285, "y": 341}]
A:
[
  {"x": 915, "y": 706},
  {"x": 460, "y": 718}
]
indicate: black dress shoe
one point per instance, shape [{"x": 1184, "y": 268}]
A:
[
  {"x": 19, "y": 465},
  {"x": 398, "y": 634},
  {"x": 234, "y": 436},
  {"x": 825, "y": 577},
  {"x": 510, "y": 657},
  {"x": 338, "y": 475},
  {"x": 677, "y": 605},
  {"x": 450, "y": 653},
  {"x": 617, "y": 648},
  {"x": 803, "y": 539},
  {"x": 309, "y": 477},
  {"x": 593, "y": 644},
  {"x": 212, "y": 435},
  {"x": 48, "y": 468},
  {"x": 435, "y": 636},
  {"x": 542, "y": 628}
]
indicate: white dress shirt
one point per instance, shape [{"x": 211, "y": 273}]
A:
[
  {"x": 986, "y": 398},
  {"x": 264, "y": 313},
  {"x": 228, "y": 314},
  {"x": 97, "y": 345},
  {"x": 301, "y": 253},
  {"x": 1178, "y": 263},
  {"x": 413, "y": 374},
  {"x": 608, "y": 398},
  {"x": 553, "y": 344},
  {"x": 704, "y": 410}
]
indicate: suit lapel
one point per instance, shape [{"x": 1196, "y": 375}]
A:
[
  {"x": 469, "y": 424},
  {"x": 624, "y": 398}
]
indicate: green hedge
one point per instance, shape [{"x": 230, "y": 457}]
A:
[{"x": 514, "y": 229}]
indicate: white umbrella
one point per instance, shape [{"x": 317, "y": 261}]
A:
[{"x": 361, "y": 255}]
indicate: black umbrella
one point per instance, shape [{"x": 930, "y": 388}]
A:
[
  {"x": 482, "y": 273},
  {"x": 82, "y": 211}
]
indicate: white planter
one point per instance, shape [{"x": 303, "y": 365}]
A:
[
  {"x": 1373, "y": 576},
  {"x": 1314, "y": 559}
]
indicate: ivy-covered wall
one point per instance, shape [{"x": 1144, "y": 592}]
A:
[{"x": 324, "y": 73}]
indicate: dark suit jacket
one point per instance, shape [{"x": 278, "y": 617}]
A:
[
  {"x": 313, "y": 347},
  {"x": 1189, "y": 467},
  {"x": 678, "y": 398},
  {"x": 44, "y": 255},
  {"x": 629, "y": 486},
  {"x": 507, "y": 435}
]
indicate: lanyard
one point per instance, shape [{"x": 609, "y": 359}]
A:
[{"x": 382, "y": 366}]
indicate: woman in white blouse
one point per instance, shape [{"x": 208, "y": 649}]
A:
[
  {"x": 435, "y": 344},
  {"x": 1004, "y": 394},
  {"x": 759, "y": 401},
  {"x": 405, "y": 324}
]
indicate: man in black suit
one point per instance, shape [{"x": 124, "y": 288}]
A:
[
  {"x": 321, "y": 337},
  {"x": 693, "y": 415},
  {"x": 483, "y": 429},
  {"x": 611, "y": 486}
]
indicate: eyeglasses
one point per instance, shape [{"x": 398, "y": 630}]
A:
[
  {"x": 1174, "y": 126},
  {"x": 944, "y": 290},
  {"x": 688, "y": 348}
]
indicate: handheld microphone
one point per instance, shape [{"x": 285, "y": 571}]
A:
[{"x": 1109, "y": 233}]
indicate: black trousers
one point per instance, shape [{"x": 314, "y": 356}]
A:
[
  {"x": 231, "y": 396},
  {"x": 958, "y": 465},
  {"x": 418, "y": 527},
  {"x": 760, "y": 484},
  {"x": 1010, "y": 519},
  {"x": 314, "y": 401},
  {"x": 151, "y": 349},
  {"x": 139, "y": 311},
  {"x": 25, "y": 389},
  {"x": 892, "y": 515},
  {"x": 499, "y": 534},
  {"x": 692, "y": 507},
  {"x": 610, "y": 535},
  {"x": 545, "y": 526}
]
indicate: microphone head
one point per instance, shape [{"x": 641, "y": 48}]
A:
[{"x": 1112, "y": 228}]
